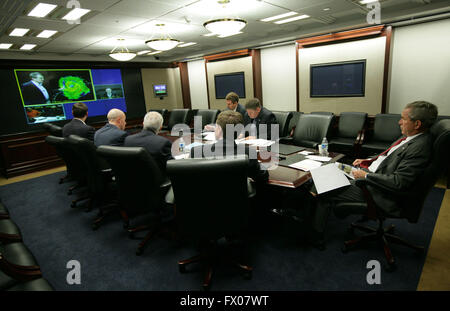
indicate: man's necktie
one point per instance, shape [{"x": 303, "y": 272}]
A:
[{"x": 366, "y": 163}]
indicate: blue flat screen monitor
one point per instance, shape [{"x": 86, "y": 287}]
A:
[
  {"x": 160, "y": 90},
  {"x": 49, "y": 94},
  {"x": 346, "y": 79},
  {"x": 230, "y": 82}
]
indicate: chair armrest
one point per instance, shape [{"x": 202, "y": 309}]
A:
[{"x": 286, "y": 140}]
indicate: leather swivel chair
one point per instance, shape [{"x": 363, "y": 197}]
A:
[
  {"x": 385, "y": 131},
  {"x": 53, "y": 129},
  {"x": 142, "y": 188},
  {"x": 348, "y": 133},
  {"x": 9, "y": 232},
  {"x": 310, "y": 130},
  {"x": 325, "y": 113},
  {"x": 4, "y": 213},
  {"x": 204, "y": 212},
  {"x": 178, "y": 116},
  {"x": 98, "y": 176},
  {"x": 209, "y": 116},
  {"x": 411, "y": 202},
  {"x": 283, "y": 120},
  {"x": 61, "y": 150}
]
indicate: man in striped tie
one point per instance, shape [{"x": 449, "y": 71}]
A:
[{"x": 397, "y": 168}]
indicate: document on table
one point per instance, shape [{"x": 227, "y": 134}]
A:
[
  {"x": 194, "y": 144},
  {"x": 306, "y": 165},
  {"x": 328, "y": 177},
  {"x": 304, "y": 152},
  {"x": 255, "y": 142},
  {"x": 318, "y": 158},
  {"x": 182, "y": 156}
]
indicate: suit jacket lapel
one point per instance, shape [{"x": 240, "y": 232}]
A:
[{"x": 397, "y": 153}]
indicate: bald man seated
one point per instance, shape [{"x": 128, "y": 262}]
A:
[{"x": 112, "y": 134}]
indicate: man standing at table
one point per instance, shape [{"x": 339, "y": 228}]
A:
[
  {"x": 396, "y": 169},
  {"x": 159, "y": 147}
]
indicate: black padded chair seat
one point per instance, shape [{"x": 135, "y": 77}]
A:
[
  {"x": 17, "y": 253},
  {"x": 342, "y": 141},
  {"x": 375, "y": 147},
  {"x": 40, "y": 284},
  {"x": 7, "y": 226}
]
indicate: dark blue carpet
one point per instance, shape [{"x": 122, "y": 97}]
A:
[{"x": 56, "y": 234}]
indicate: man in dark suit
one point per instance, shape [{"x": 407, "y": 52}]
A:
[
  {"x": 232, "y": 100},
  {"x": 33, "y": 91},
  {"x": 159, "y": 147},
  {"x": 112, "y": 134},
  {"x": 226, "y": 146},
  {"x": 257, "y": 115},
  {"x": 396, "y": 169},
  {"x": 78, "y": 126}
]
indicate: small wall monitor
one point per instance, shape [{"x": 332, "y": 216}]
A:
[{"x": 160, "y": 90}]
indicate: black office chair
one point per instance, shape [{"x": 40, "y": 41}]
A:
[
  {"x": 53, "y": 129},
  {"x": 349, "y": 131},
  {"x": 411, "y": 202},
  {"x": 178, "y": 116},
  {"x": 283, "y": 120},
  {"x": 142, "y": 188},
  {"x": 58, "y": 143},
  {"x": 204, "y": 212},
  {"x": 310, "y": 130},
  {"x": 163, "y": 113},
  {"x": 98, "y": 176},
  {"x": 4, "y": 213},
  {"x": 9, "y": 232},
  {"x": 385, "y": 131},
  {"x": 209, "y": 116},
  {"x": 326, "y": 113}
]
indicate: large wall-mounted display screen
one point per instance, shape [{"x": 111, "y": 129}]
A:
[
  {"x": 230, "y": 82},
  {"x": 48, "y": 95}
]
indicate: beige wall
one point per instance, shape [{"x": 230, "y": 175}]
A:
[
  {"x": 169, "y": 76},
  {"x": 227, "y": 66},
  {"x": 372, "y": 50}
]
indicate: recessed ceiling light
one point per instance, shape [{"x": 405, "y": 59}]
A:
[
  {"x": 46, "y": 33},
  {"x": 367, "y": 1},
  {"x": 155, "y": 52},
  {"x": 209, "y": 34},
  {"x": 233, "y": 34},
  {"x": 187, "y": 44},
  {"x": 42, "y": 10},
  {"x": 19, "y": 32},
  {"x": 5, "y": 46},
  {"x": 269, "y": 19},
  {"x": 28, "y": 46},
  {"x": 76, "y": 14},
  {"x": 143, "y": 52},
  {"x": 296, "y": 18}
]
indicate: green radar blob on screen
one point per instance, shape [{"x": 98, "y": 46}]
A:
[{"x": 73, "y": 87}]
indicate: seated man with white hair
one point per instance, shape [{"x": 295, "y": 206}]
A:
[
  {"x": 112, "y": 134},
  {"x": 159, "y": 147}
]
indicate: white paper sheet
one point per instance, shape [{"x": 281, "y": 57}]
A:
[
  {"x": 304, "y": 152},
  {"x": 318, "y": 158},
  {"x": 255, "y": 142},
  {"x": 306, "y": 165},
  {"x": 182, "y": 156},
  {"x": 209, "y": 136},
  {"x": 328, "y": 177}
]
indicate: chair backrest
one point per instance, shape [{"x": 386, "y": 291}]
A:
[
  {"x": 210, "y": 195},
  {"x": 350, "y": 123},
  {"x": 386, "y": 127},
  {"x": 209, "y": 116},
  {"x": 283, "y": 120},
  {"x": 53, "y": 129},
  {"x": 178, "y": 116},
  {"x": 440, "y": 133},
  {"x": 138, "y": 177},
  {"x": 59, "y": 143},
  {"x": 311, "y": 129},
  {"x": 86, "y": 151},
  {"x": 162, "y": 112},
  {"x": 327, "y": 113}
]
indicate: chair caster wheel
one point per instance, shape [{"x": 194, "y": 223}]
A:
[
  {"x": 139, "y": 252},
  {"x": 182, "y": 268},
  {"x": 247, "y": 275}
]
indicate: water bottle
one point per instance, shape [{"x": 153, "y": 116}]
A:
[
  {"x": 181, "y": 143},
  {"x": 324, "y": 147}
]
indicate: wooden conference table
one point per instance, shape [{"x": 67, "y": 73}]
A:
[{"x": 281, "y": 175}]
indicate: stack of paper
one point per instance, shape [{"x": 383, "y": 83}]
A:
[
  {"x": 319, "y": 158},
  {"x": 306, "y": 165},
  {"x": 255, "y": 142},
  {"x": 328, "y": 177}
]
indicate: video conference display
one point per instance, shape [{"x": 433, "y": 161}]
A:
[{"x": 49, "y": 94}]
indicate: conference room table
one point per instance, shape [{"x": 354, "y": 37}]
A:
[{"x": 280, "y": 175}]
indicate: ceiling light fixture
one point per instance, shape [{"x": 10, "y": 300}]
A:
[
  {"x": 28, "y": 46},
  {"x": 5, "y": 46},
  {"x": 143, "y": 52},
  {"x": 296, "y": 18},
  {"x": 121, "y": 53},
  {"x": 46, "y": 33},
  {"x": 155, "y": 52},
  {"x": 280, "y": 16},
  {"x": 225, "y": 26},
  {"x": 42, "y": 10},
  {"x": 75, "y": 14},
  {"x": 164, "y": 42},
  {"x": 186, "y": 44},
  {"x": 367, "y": 1},
  {"x": 233, "y": 34},
  {"x": 19, "y": 32}
]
